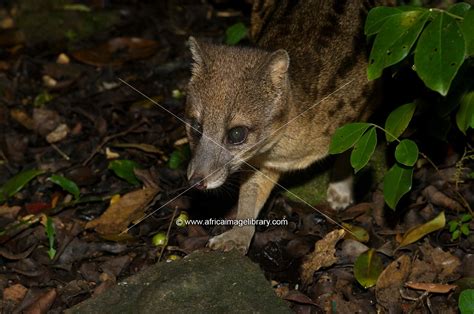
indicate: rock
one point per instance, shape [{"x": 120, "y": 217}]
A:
[{"x": 203, "y": 282}]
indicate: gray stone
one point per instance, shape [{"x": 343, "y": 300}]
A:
[{"x": 203, "y": 282}]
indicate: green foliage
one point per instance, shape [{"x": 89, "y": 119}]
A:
[
  {"x": 443, "y": 40},
  {"x": 235, "y": 33},
  {"x": 123, "y": 168},
  {"x": 66, "y": 184},
  {"x": 16, "y": 183},
  {"x": 51, "y": 234},
  {"x": 367, "y": 268},
  {"x": 398, "y": 121},
  {"x": 406, "y": 153},
  {"x": 397, "y": 182},
  {"x": 179, "y": 157},
  {"x": 460, "y": 227},
  {"x": 466, "y": 301},
  {"x": 440, "y": 41}
]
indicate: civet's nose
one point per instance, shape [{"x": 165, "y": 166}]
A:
[{"x": 198, "y": 182}]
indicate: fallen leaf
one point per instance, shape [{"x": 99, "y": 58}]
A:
[
  {"x": 23, "y": 118},
  {"x": 323, "y": 255},
  {"x": 431, "y": 287},
  {"x": 9, "y": 212},
  {"x": 440, "y": 199},
  {"x": 356, "y": 233},
  {"x": 122, "y": 212},
  {"x": 14, "y": 293},
  {"x": 419, "y": 232},
  {"x": 392, "y": 278},
  {"x": 45, "y": 120}
]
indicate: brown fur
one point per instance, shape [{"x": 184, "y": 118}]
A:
[{"x": 264, "y": 88}]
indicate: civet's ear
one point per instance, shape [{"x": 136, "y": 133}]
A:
[
  {"x": 198, "y": 54},
  {"x": 277, "y": 66}
]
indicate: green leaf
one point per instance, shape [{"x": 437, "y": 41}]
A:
[
  {"x": 465, "y": 114},
  {"x": 397, "y": 182},
  {"x": 66, "y": 184},
  {"x": 394, "y": 40},
  {"x": 456, "y": 234},
  {"x": 16, "y": 183},
  {"x": 466, "y": 301},
  {"x": 50, "y": 233},
  {"x": 398, "y": 121},
  {"x": 440, "y": 53},
  {"x": 467, "y": 27},
  {"x": 123, "y": 168},
  {"x": 346, "y": 136},
  {"x": 406, "y": 152},
  {"x": 367, "y": 268},
  {"x": 363, "y": 149},
  {"x": 453, "y": 225},
  {"x": 179, "y": 157},
  {"x": 466, "y": 217},
  {"x": 235, "y": 33},
  {"x": 419, "y": 232},
  {"x": 459, "y": 9},
  {"x": 377, "y": 18}
]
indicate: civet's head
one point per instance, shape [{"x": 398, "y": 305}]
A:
[{"x": 236, "y": 101}]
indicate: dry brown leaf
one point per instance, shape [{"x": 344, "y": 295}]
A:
[
  {"x": 122, "y": 212},
  {"x": 390, "y": 281},
  {"x": 23, "y": 118},
  {"x": 440, "y": 199},
  {"x": 9, "y": 212},
  {"x": 323, "y": 255},
  {"x": 14, "y": 293},
  {"x": 58, "y": 134},
  {"x": 117, "y": 51},
  {"x": 430, "y": 287}
]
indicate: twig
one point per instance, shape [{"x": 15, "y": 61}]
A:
[{"x": 168, "y": 233}]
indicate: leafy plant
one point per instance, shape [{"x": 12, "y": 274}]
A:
[
  {"x": 438, "y": 43},
  {"x": 466, "y": 301},
  {"x": 235, "y": 33},
  {"x": 16, "y": 183},
  {"x": 460, "y": 227},
  {"x": 123, "y": 168}
]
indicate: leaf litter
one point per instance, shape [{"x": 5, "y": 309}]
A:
[{"x": 64, "y": 113}]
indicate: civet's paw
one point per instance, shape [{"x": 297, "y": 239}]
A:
[
  {"x": 339, "y": 194},
  {"x": 237, "y": 238}
]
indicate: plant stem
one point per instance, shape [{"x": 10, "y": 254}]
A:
[{"x": 447, "y": 13}]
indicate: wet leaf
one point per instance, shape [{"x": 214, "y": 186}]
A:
[
  {"x": 465, "y": 114},
  {"x": 16, "y": 183},
  {"x": 363, "y": 149},
  {"x": 346, "y": 136},
  {"x": 395, "y": 39},
  {"x": 398, "y": 121},
  {"x": 419, "y": 232},
  {"x": 235, "y": 33},
  {"x": 396, "y": 183},
  {"x": 440, "y": 53},
  {"x": 377, "y": 18},
  {"x": 466, "y": 301},
  {"x": 406, "y": 152},
  {"x": 367, "y": 268},
  {"x": 123, "y": 168},
  {"x": 66, "y": 184}
]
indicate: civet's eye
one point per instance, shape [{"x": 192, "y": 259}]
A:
[
  {"x": 196, "y": 129},
  {"x": 237, "y": 135}
]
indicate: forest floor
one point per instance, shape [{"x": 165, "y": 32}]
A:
[{"x": 92, "y": 175}]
